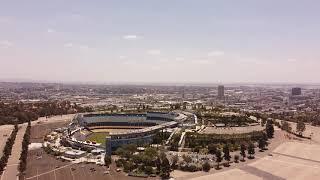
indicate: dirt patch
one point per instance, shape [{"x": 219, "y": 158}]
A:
[{"x": 38, "y": 131}]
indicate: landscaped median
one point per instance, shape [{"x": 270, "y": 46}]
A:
[
  {"x": 7, "y": 149},
  {"x": 194, "y": 139},
  {"x": 24, "y": 152}
]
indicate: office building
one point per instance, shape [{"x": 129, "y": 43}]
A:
[
  {"x": 220, "y": 92},
  {"x": 296, "y": 91}
]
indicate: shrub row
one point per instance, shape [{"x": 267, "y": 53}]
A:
[
  {"x": 196, "y": 139},
  {"x": 8, "y": 148},
  {"x": 24, "y": 152}
]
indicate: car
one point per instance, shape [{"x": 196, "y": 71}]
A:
[
  {"x": 106, "y": 172},
  {"x": 118, "y": 170}
]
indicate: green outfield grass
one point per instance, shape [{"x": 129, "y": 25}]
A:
[{"x": 99, "y": 137}]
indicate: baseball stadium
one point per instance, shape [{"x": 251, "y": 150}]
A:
[{"x": 110, "y": 131}]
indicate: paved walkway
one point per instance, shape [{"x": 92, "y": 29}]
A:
[{"x": 12, "y": 167}]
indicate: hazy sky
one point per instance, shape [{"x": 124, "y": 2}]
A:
[{"x": 160, "y": 41}]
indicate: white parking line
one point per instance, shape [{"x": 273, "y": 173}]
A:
[
  {"x": 49, "y": 171},
  {"x": 291, "y": 163},
  {"x": 55, "y": 176},
  {"x": 71, "y": 174}
]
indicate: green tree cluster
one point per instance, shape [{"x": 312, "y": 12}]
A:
[
  {"x": 8, "y": 148},
  {"x": 24, "y": 152}
]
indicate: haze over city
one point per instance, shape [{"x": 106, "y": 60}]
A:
[
  {"x": 160, "y": 41},
  {"x": 159, "y": 89}
]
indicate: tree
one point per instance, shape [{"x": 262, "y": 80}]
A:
[
  {"x": 128, "y": 166},
  {"x": 165, "y": 168},
  {"x": 269, "y": 129},
  {"x": 262, "y": 144},
  {"x": 147, "y": 160},
  {"x": 265, "y": 139},
  {"x": 212, "y": 148},
  {"x": 286, "y": 126},
  {"x": 236, "y": 158},
  {"x": 218, "y": 158},
  {"x": 148, "y": 170},
  {"x": 197, "y": 149},
  {"x": 263, "y": 121},
  {"x": 226, "y": 153},
  {"x": 301, "y": 127},
  {"x": 251, "y": 150},
  {"x": 120, "y": 152},
  {"x": 187, "y": 158},
  {"x": 206, "y": 166},
  {"x": 139, "y": 158},
  {"x": 151, "y": 152},
  {"x": 107, "y": 160},
  {"x": 243, "y": 151},
  {"x": 158, "y": 164},
  {"x": 175, "y": 160}
]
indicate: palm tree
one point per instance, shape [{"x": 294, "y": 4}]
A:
[
  {"x": 251, "y": 150},
  {"x": 261, "y": 144},
  {"x": 236, "y": 158},
  {"x": 218, "y": 159},
  {"x": 269, "y": 129},
  {"x": 300, "y": 127},
  {"x": 226, "y": 153},
  {"x": 243, "y": 151}
]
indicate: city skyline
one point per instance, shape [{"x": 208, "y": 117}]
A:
[{"x": 160, "y": 41}]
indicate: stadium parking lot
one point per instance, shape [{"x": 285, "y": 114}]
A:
[
  {"x": 42, "y": 166},
  {"x": 291, "y": 159}
]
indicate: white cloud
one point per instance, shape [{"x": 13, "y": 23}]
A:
[
  {"x": 76, "y": 16},
  {"x": 68, "y": 45},
  {"x": 122, "y": 57},
  {"x": 78, "y": 46},
  {"x": 179, "y": 59},
  {"x": 215, "y": 53},
  {"x": 6, "y": 44},
  {"x": 201, "y": 61},
  {"x": 130, "y": 37},
  {"x": 50, "y": 30},
  {"x": 84, "y": 47},
  {"x": 154, "y": 52},
  {"x": 128, "y": 63}
]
